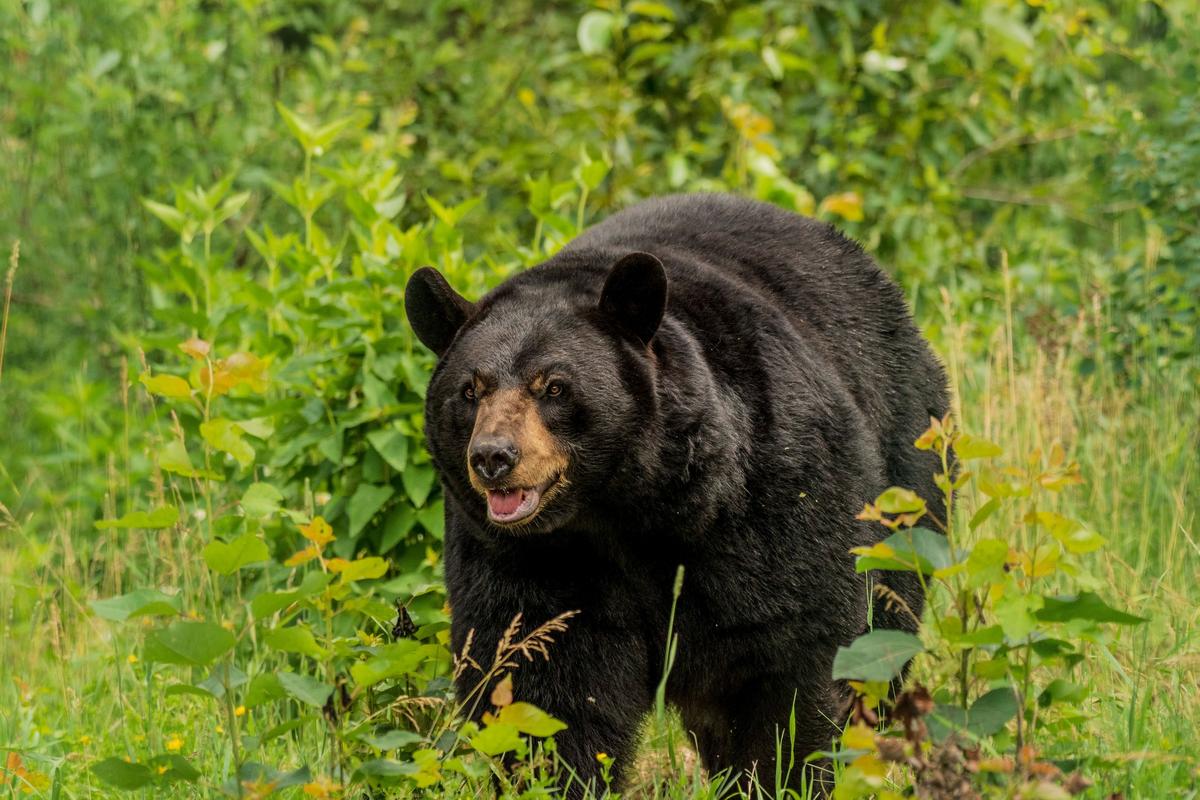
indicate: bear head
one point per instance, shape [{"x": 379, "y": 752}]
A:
[{"x": 541, "y": 388}]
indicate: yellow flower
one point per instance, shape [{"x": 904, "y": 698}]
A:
[
  {"x": 85, "y": 740},
  {"x": 240, "y": 711},
  {"x": 131, "y": 658},
  {"x": 219, "y": 729},
  {"x": 602, "y": 757},
  {"x": 174, "y": 744},
  {"x": 162, "y": 769}
]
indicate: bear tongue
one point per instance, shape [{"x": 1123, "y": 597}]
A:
[{"x": 505, "y": 503}]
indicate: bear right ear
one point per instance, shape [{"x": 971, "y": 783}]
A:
[
  {"x": 435, "y": 311},
  {"x": 635, "y": 294}
]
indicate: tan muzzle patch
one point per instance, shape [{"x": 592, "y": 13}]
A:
[{"x": 513, "y": 414}]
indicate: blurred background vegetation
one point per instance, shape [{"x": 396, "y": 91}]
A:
[{"x": 264, "y": 174}]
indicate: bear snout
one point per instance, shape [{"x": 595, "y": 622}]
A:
[{"x": 493, "y": 457}]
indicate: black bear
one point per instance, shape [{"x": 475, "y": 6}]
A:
[{"x": 700, "y": 380}]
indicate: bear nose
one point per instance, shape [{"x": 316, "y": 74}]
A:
[{"x": 493, "y": 457}]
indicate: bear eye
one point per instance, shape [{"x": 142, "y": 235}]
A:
[
  {"x": 554, "y": 389},
  {"x": 469, "y": 392}
]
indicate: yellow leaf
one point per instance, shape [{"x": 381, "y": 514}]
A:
[
  {"x": 302, "y": 557},
  {"x": 858, "y": 737},
  {"x": 502, "y": 695},
  {"x": 319, "y": 532},
  {"x": 196, "y": 348},
  {"x": 167, "y": 386},
  {"x": 877, "y": 550},
  {"x": 848, "y": 205}
]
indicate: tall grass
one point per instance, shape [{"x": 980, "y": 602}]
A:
[{"x": 69, "y": 693}]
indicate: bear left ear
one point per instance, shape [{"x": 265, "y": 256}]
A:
[
  {"x": 435, "y": 311},
  {"x": 635, "y": 294}
]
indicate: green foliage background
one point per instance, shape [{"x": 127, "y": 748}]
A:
[{"x": 1027, "y": 170}]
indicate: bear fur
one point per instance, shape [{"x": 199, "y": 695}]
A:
[{"x": 722, "y": 385}]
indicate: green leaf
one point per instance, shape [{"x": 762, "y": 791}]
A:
[
  {"x": 986, "y": 562},
  {"x": 167, "y": 386},
  {"x": 194, "y": 644},
  {"x": 528, "y": 718},
  {"x": 391, "y": 739},
  {"x": 418, "y": 482},
  {"x": 224, "y": 435},
  {"x": 226, "y": 559},
  {"x": 261, "y": 500},
  {"x": 991, "y": 712},
  {"x": 985, "y": 511},
  {"x": 362, "y": 569},
  {"x": 1015, "y": 613},
  {"x": 172, "y": 217},
  {"x": 899, "y": 501},
  {"x": 138, "y": 603},
  {"x": 392, "y": 661},
  {"x": 969, "y": 447},
  {"x": 177, "y": 768},
  {"x": 384, "y": 770},
  {"x": 294, "y": 639},
  {"x": 367, "y": 500},
  {"x": 914, "y": 549},
  {"x": 497, "y": 738},
  {"x": 123, "y": 774},
  {"x": 163, "y": 517},
  {"x": 1086, "y": 605},
  {"x": 173, "y": 457},
  {"x": 392, "y": 445},
  {"x": 304, "y": 688},
  {"x": 877, "y": 656},
  {"x": 264, "y": 688},
  {"x": 595, "y": 32}
]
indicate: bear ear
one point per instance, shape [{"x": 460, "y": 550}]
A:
[
  {"x": 435, "y": 311},
  {"x": 635, "y": 294}
]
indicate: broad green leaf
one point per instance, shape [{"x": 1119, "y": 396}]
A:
[
  {"x": 1015, "y": 613},
  {"x": 392, "y": 445},
  {"x": 294, "y": 639},
  {"x": 305, "y": 688},
  {"x": 360, "y": 569},
  {"x": 224, "y": 435},
  {"x": 227, "y": 558},
  {"x": 173, "y": 457},
  {"x": 990, "y": 713},
  {"x": 1085, "y": 605},
  {"x": 394, "y": 660},
  {"x": 878, "y": 656},
  {"x": 595, "y": 32},
  {"x": 163, "y": 517},
  {"x": 497, "y": 738},
  {"x": 908, "y": 550},
  {"x": 899, "y": 501},
  {"x": 258, "y": 427},
  {"x": 418, "y": 482},
  {"x": 170, "y": 768},
  {"x": 986, "y": 562},
  {"x": 138, "y": 603},
  {"x": 261, "y": 500},
  {"x": 263, "y": 688},
  {"x": 385, "y": 770},
  {"x": 365, "y": 503},
  {"x": 390, "y": 740},
  {"x": 123, "y": 774},
  {"x": 528, "y": 718},
  {"x": 194, "y": 644},
  {"x": 170, "y": 386},
  {"x": 971, "y": 447}
]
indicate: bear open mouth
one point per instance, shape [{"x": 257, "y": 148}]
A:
[{"x": 517, "y": 504}]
